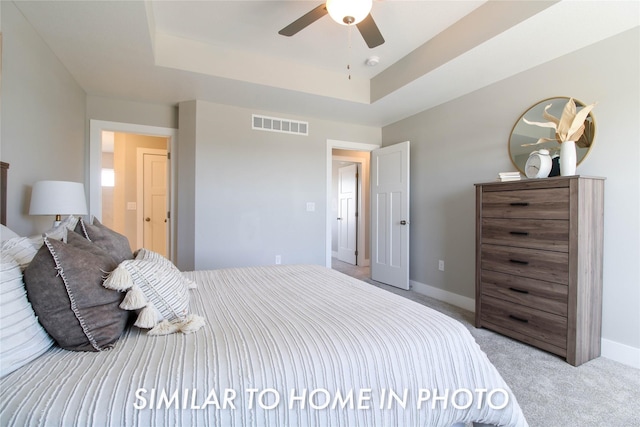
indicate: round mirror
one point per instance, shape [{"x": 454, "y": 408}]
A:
[{"x": 523, "y": 133}]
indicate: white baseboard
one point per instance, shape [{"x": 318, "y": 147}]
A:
[
  {"x": 613, "y": 350},
  {"x": 622, "y": 353},
  {"x": 446, "y": 296}
]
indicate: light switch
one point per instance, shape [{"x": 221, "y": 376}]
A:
[
  {"x": 311, "y": 207},
  {"x": 132, "y": 206}
]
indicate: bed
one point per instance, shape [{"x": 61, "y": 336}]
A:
[{"x": 286, "y": 345}]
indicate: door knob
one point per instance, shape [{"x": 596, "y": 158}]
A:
[
  {"x": 147, "y": 219},
  {"x": 339, "y": 219},
  {"x": 403, "y": 222}
]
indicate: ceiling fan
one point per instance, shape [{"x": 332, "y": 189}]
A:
[{"x": 345, "y": 12}]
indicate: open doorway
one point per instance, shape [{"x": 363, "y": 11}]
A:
[
  {"x": 350, "y": 206},
  {"x": 389, "y": 187},
  {"x": 169, "y": 136},
  {"x": 355, "y": 152},
  {"x": 135, "y": 188}
]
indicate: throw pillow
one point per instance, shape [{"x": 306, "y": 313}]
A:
[
  {"x": 22, "y": 338},
  {"x": 158, "y": 291},
  {"x": 64, "y": 285},
  {"x": 114, "y": 243},
  {"x": 22, "y": 249},
  {"x": 149, "y": 255},
  {"x": 6, "y": 233},
  {"x": 59, "y": 232}
]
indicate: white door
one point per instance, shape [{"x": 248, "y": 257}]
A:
[
  {"x": 390, "y": 215},
  {"x": 347, "y": 213},
  {"x": 155, "y": 202}
]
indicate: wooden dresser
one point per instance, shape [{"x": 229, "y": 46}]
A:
[{"x": 539, "y": 263}]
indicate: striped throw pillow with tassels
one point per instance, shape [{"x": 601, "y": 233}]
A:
[{"x": 158, "y": 292}]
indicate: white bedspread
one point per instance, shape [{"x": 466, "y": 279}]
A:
[{"x": 331, "y": 348}]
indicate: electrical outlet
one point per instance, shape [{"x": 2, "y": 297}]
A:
[
  {"x": 278, "y": 259},
  {"x": 441, "y": 265}
]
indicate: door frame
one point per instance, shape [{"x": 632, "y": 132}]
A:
[
  {"x": 344, "y": 145},
  {"x": 94, "y": 165}
]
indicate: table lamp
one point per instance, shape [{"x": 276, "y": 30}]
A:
[{"x": 58, "y": 198}]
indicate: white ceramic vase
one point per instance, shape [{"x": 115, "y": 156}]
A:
[{"x": 568, "y": 158}]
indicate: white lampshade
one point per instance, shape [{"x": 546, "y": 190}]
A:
[
  {"x": 349, "y": 12},
  {"x": 58, "y": 198}
]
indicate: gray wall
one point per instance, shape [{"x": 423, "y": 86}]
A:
[
  {"x": 252, "y": 187},
  {"x": 45, "y": 116},
  {"x": 465, "y": 141},
  {"x": 43, "y": 113},
  {"x": 139, "y": 113},
  {"x": 185, "y": 217}
]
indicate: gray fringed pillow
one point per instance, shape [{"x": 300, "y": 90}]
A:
[
  {"x": 114, "y": 243},
  {"x": 64, "y": 285}
]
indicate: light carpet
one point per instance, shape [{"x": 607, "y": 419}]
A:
[{"x": 551, "y": 392}]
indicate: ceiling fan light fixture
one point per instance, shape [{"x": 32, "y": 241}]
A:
[{"x": 349, "y": 12}]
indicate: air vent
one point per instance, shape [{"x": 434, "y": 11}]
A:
[{"x": 275, "y": 124}]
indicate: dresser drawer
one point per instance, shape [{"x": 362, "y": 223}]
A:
[
  {"x": 532, "y": 263},
  {"x": 545, "y": 296},
  {"x": 546, "y": 203},
  {"x": 551, "y": 234},
  {"x": 539, "y": 325}
]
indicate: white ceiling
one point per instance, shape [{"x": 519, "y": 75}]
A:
[{"x": 230, "y": 51}]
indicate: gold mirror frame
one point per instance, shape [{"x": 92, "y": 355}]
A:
[{"x": 522, "y": 133}]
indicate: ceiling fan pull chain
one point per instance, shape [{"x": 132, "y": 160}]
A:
[{"x": 349, "y": 53}]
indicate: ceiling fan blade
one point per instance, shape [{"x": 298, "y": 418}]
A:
[
  {"x": 370, "y": 32},
  {"x": 304, "y": 21}
]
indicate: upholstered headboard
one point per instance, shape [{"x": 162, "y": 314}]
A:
[{"x": 4, "y": 167}]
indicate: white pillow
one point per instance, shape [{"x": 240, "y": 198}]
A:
[
  {"x": 145, "y": 254},
  {"x": 158, "y": 291},
  {"x": 22, "y": 249},
  {"x": 6, "y": 233},
  {"x": 22, "y": 338},
  {"x": 69, "y": 222},
  {"x": 60, "y": 231}
]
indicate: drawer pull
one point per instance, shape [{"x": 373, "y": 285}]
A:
[
  {"x": 519, "y": 319},
  {"x": 519, "y": 233},
  {"x": 519, "y": 290},
  {"x": 517, "y": 261},
  {"x": 519, "y": 203}
]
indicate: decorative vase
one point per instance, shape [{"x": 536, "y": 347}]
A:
[
  {"x": 568, "y": 158},
  {"x": 555, "y": 165}
]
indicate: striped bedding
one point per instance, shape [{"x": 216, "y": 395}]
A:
[{"x": 282, "y": 346}]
